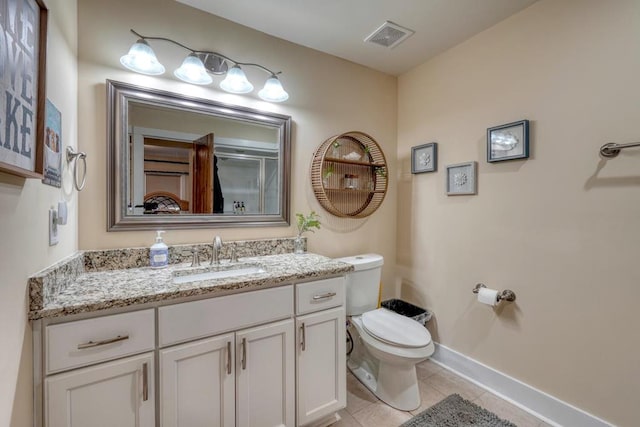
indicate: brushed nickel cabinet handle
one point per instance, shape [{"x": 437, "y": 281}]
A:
[
  {"x": 303, "y": 340},
  {"x": 324, "y": 296},
  {"x": 91, "y": 344},
  {"x": 229, "y": 357},
  {"x": 244, "y": 353},
  {"x": 145, "y": 382}
]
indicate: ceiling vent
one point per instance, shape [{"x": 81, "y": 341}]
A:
[{"x": 389, "y": 35}]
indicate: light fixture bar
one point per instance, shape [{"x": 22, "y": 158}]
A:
[
  {"x": 206, "y": 52},
  {"x": 198, "y": 64},
  {"x": 162, "y": 38}
]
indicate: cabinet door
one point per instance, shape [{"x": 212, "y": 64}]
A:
[
  {"x": 321, "y": 367},
  {"x": 119, "y": 393},
  {"x": 197, "y": 384},
  {"x": 265, "y": 378}
]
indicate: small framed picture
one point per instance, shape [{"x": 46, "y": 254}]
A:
[
  {"x": 508, "y": 142},
  {"x": 424, "y": 158},
  {"x": 462, "y": 179},
  {"x": 52, "y": 146}
]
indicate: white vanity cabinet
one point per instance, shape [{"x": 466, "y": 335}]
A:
[
  {"x": 272, "y": 357},
  {"x": 107, "y": 392},
  {"x": 320, "y": 348},
  {"x": 118, "y": 393},
  {"x": 265, "y": 376},
  {"x": 197, "y": 383},
  {"x": 244, "y": 378}
]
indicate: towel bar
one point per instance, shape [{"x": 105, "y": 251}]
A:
[{"x": 612, "y": 149}]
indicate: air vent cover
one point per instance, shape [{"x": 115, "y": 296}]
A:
[{"x": 389, "y": 35}]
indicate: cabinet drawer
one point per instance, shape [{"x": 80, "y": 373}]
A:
[
  {"x": 319, "y": 295},
  {"x": 74, "y": 344},
  {"x": 199, "y": 319}
]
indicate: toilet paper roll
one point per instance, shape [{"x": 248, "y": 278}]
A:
[{"x": 488, "y": 296}]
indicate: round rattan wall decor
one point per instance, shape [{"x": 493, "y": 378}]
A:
[{"x": 349, "y": 175}]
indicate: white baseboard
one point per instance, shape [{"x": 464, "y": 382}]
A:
[{"x": 551, "y": 410}]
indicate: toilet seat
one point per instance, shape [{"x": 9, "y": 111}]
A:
[
  {"x": 395, "y": 329},
  {"x": 405, "y": 354}
]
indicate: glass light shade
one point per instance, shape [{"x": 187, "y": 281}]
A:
[
  {"x": 273, "y": 91},
  {"x": 192, "y": 71},
  {"x": 236, "y": 81},
  {"x": 142, "y": 59}
]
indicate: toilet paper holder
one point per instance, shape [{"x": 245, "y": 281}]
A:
[{"x": 506, "y": 295}]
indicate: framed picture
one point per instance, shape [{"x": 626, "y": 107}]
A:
[
  {"x": 52, "y": 146},
  {"x": 22, "y": 91},
  {"x": 424, "y": 158},
  {"x": 462, "y": 179},
  {"x": 508, "y": 142}
]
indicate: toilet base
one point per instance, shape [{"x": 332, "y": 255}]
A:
[
  {"x": 396, "y": 387},
  {"x": 392, "y": 380}
]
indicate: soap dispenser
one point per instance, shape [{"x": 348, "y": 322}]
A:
[{"x": 159, "y": 254}]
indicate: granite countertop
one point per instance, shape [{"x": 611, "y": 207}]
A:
[{"x": 101, "y": 290}]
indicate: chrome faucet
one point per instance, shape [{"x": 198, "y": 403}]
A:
[{"x": 216, "y": 247}]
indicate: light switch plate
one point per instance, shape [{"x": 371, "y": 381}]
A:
[{"x": 53, "y": 227}]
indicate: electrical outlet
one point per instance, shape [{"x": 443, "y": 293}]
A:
[{"x": 53, "y": 227}]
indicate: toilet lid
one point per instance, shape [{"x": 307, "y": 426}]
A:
[{"x": 395, "y": 329}]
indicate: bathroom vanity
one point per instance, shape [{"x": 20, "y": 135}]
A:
[{"x": 139, "y": 347}]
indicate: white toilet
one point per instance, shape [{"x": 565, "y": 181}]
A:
[{"x": 386, "y": 345}]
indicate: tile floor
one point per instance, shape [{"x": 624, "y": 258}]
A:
[{"x": 365, "y": 410}]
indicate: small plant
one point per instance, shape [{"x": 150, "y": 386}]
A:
[
  {"x": 328, "y": 171},
  {"x": 306, "y": 223},
  {"x": 381, "y": 171},
  {"x": 335, "y": 151},
  {"x": 367, "y": 153}
]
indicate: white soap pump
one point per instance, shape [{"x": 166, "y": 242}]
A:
[{"x": 159, "y": 253}]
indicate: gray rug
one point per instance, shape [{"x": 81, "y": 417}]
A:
[{"x": 454, "y": 411}]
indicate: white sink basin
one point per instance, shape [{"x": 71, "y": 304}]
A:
[{"x": 220, "y": 274}]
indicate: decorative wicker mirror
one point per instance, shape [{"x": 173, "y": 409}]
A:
[{"x": 349, "y": 175}]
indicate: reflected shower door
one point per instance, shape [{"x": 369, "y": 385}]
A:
[{"x": 240, "y": 179}]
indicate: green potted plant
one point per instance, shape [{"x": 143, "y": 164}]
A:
[
  {"x": 305, "y": 223},
  {"x": 335, "y": 150},
  {"x": 326, "y": 174}
]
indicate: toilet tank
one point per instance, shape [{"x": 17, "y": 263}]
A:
[{"x": 363, "y": 284}]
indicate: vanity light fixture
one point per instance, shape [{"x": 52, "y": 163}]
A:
[{"x": 197, "y": 67}]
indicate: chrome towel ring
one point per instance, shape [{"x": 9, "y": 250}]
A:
[{"x": 72, "y": 157}]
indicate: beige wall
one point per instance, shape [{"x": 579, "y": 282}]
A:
[
  {"x": 328, "y": 96},
  {"x": 24, "y": 206},
  {"x": 560, "y": 229}
]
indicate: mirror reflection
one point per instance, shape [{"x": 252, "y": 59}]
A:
[
  {"x": 191, "y": 163},
  {"x": 195, "y": 162}
]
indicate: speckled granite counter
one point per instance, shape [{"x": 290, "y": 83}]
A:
[{"x": 77, "y": 285}]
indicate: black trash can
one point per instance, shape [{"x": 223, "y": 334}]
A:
[{"x": 407, "y": 309}]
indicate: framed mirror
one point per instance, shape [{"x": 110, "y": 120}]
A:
[{"x": 182, "y": 162}]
